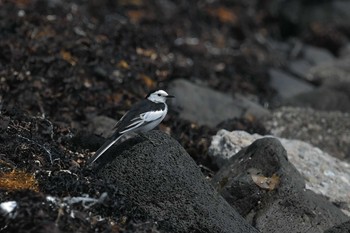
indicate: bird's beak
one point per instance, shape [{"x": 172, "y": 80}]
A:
[{"x": 170, "y": 96}]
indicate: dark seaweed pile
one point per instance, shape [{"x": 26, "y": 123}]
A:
[{"x": 64, "y": 62}]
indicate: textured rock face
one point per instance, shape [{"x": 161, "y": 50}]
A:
[
  {"x": 326, "y": 130},
  {"x": 267, "y": 189},
  {"x": 342, "y": 228},
  {"x": 323, "y": 174},
  {"x": 167, "y": 184}
]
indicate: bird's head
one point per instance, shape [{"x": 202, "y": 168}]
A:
[{"x": 159, "y": 96}]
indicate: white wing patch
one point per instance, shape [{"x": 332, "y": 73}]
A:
[
  {"x": 142, "y": 119},
  {"x": 152, "y": 116},
  {"x": 133, "y": 126}
]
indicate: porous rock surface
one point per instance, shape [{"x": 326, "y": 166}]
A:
[
  {"x": 285, "y": 207},
  {"x": 167, "y": 184}
]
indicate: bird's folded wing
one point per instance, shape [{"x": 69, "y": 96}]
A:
[
  {"x": 132, "y": 126},
  {"x": 142, "y": 119},
  {"x": 152, "y": 115}
]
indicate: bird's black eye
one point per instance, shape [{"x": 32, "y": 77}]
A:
[{"x": 158, "y": 94}]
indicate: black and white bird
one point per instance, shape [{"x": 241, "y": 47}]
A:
[{"x": 142, "y": 117}]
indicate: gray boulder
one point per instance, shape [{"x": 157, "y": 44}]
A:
[
  {"x": 307, "y": 59},
  {"x": 163, "y": 180},
  {"x": 326, "y": 130},
  {"x": 299, "y": 67},
  {"x": 342, "y": 228},
  {"x": 102, "y": 125},
  {"x": 268, "y": 191},
  {"x": 337, "y": 71},
  {"x": 302, "y": 13},
  {"x": 317, "y": 55},
  {"x": 200, "y": 104},
  {"x": 323, "y": 174},
  {"x": 324, "y": 99},
  {"x": 287, "y": 85}
]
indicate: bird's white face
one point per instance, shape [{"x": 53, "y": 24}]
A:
[{"x": 159, "y": 96}]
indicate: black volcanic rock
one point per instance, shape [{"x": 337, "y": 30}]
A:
[
  {"x": 341, "y": 228},
  {"x": 167, "y": 184},
  {"x": 284, "y": 207}
]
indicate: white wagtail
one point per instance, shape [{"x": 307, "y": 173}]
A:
[{"x": 142, "y": 117}]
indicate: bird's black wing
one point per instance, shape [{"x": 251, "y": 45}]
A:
[{"x": 132, "y": 117}]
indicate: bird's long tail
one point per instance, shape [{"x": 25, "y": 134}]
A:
[{"x": 104, "y": 148}]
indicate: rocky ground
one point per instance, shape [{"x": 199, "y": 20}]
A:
[{"x": 241, "y": 70}]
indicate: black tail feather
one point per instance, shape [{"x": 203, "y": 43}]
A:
[{"x": 104, "y": 148}]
